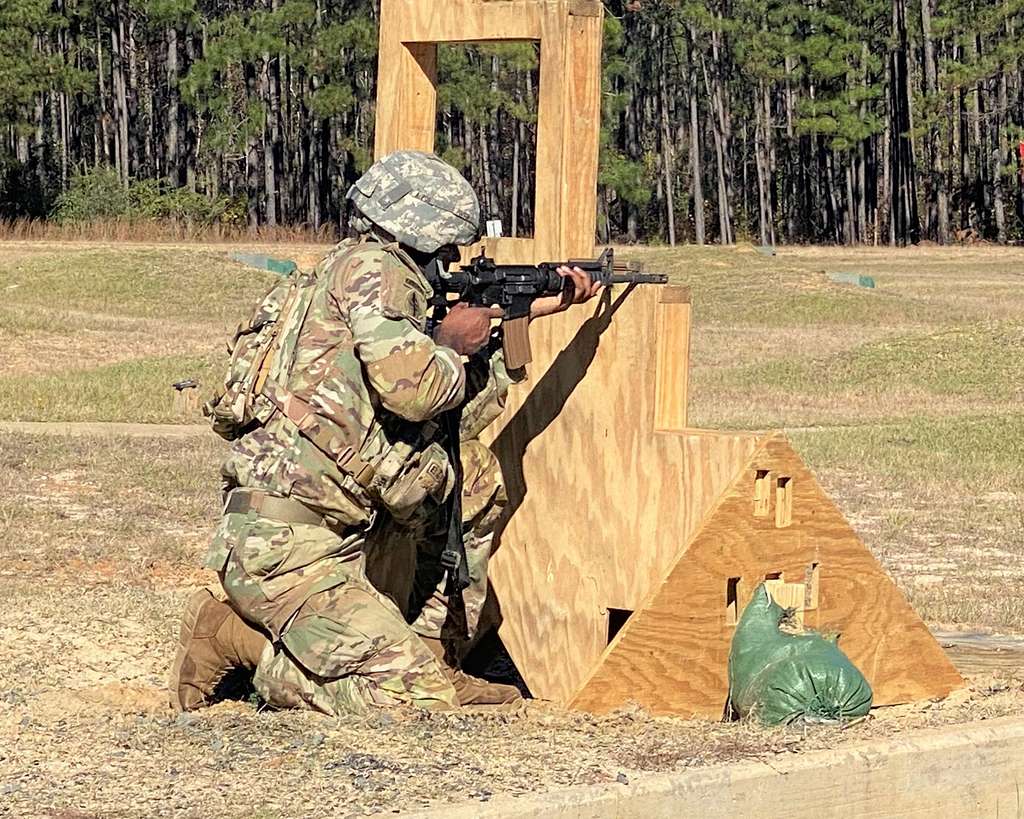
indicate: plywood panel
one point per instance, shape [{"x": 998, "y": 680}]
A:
[
  {"x": 673, "y": 655},
  {"x": 549, "y": 178},
  {"x": 673, "y": 362},
  {"x": 505, "y": 250},
  {"x": 569, "y": 104},
  {"x": 581, "y": 128},
  {"x": 452, "y": 21},
  {"x": 614, "y": 503},
  {"x": 406, "y": 85},
  {"x": 601, "y": 503},
  {"x": 406, "y": 90}
]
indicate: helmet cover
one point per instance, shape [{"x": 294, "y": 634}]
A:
[{"x": 419, "y": 199}]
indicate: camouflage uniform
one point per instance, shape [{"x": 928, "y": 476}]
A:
[{"x": 372, "y": 377}]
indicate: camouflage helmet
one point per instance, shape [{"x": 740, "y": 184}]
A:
[{"x": 419, "y": 199}]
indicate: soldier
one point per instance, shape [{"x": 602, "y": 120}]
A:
[{"x": 351, "y": 474}]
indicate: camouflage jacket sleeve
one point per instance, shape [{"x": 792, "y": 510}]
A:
[
  {"x": 385, "y": 304},
  {"x": 487, "y": 385}
]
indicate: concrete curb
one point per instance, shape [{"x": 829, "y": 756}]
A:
[{"x": 974, "y": 770}]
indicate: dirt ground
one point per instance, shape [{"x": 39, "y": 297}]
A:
[
  {"x": 84, "y": 731},
  {"x": 906, "y": 402}
]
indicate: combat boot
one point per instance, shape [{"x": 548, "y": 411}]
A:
[
  {"x": 213, "y": 641},
  {"x": 473, "y": 691}
]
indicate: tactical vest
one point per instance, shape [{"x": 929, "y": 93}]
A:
[{"x": 262, "y": 356}]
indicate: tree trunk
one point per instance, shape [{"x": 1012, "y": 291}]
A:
[
  {"x": 719, "y": 131},
  {"x": 195, "y": 48},
  {"x": 939, "y": 219},
  {"x": 252, "y": 158},
  {"x": 763, "y": 164},
  {"x": 269, "y": 129},
  {"x": 173, "y": 150},
  {"x": 314, "y": 203},
  {"x": 667, "y": 162},
  {"x": 120, "y": 92},
  {"x": 696, "y": 171},
  {"x": 904, "y": 214},
  {"x": 979, "y": 187},
  {"x": 999, "y": 150},
  {"x": 132, "y": 97},
  {"x": 514, "y": 226}
]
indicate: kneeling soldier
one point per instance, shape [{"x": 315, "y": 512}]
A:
[{"x": 351, "y": 473}]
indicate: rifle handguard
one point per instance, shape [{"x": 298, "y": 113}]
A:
[{"x": 516, "y": 334}]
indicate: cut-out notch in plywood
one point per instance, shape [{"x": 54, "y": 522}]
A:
[
  {"x": 672, "y": 655},
  {"x": 568, "y": 107}
]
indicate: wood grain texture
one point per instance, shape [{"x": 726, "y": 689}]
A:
[
  {"x": 600, "y": 503},
  {"x": 549, "y": 182},
  {"x": 614, "y": 503},
  {"x": 983, "y": 653},
  {"x": 454, "y": 21},
  {"x": 505, "y": 250},
  {"x": 581, "y": 127},
  {"x": 673, "y": 362},
  {"x": 406, "y": 86},
  {"x": 672, "y": 655}
]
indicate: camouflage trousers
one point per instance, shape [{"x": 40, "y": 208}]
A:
[{"x": 345, "y": 612}]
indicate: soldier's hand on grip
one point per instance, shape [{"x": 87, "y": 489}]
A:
[{"x": 466, "y": 329}]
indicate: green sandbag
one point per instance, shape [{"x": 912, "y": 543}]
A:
[{"x": 781, "y": 678}]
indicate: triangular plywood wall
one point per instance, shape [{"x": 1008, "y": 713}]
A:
[{"x": 775, "y": 523}]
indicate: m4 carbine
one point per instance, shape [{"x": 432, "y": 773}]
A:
[{"x": 514, "y": 288}]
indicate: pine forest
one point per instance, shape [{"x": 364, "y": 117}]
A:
[{"x": 772, "y": 121}]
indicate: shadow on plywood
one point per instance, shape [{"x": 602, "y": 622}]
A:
[{"x": 632, "y": 542}]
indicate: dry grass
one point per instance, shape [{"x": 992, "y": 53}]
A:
[
  {"x": 158, "y": 230},
  {"x": 905, "y": 400},
  {"x": 79, "y": 502},
  {"x": 102, "y": 539},
  {"x": 100, "y": 333},
  {"x": 913, "y": 387}
]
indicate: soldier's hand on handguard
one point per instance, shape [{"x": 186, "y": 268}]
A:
[
  {"x": 584, "y": 289},
  {"x": 466, "y": 329}
]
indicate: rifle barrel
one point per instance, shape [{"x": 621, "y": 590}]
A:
[{"x": 639, "y": 278}]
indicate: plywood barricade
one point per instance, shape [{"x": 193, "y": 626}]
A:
[{"x": 632, "y": 541}]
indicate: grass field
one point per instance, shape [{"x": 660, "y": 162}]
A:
[{"x": 906, "y": 400}]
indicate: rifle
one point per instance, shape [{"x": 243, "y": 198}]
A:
[{"x": 514, "y": 288}]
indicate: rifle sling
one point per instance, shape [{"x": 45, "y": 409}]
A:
[{"x": 453, "y": 558}]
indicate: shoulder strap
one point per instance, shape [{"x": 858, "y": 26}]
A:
[
  {"x": 271, "y": 355},
  {"x": 312, "y": 427},
  {"x": 277, "y": 365},
  {"x": 395, "y": 250}
]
